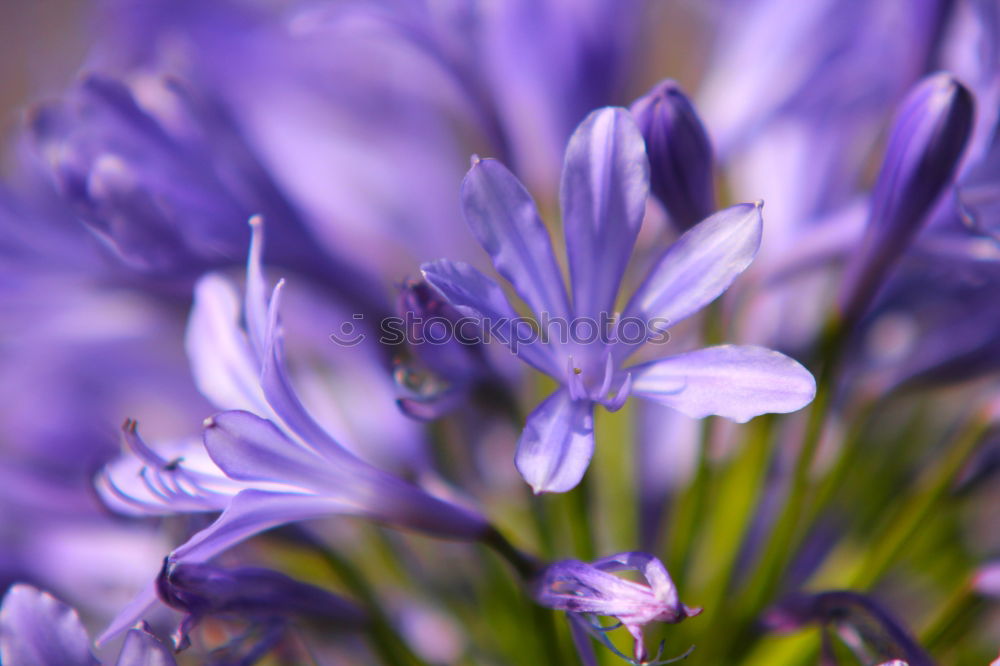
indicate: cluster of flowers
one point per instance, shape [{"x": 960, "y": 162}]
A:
[{"x": 293, "y": 459}]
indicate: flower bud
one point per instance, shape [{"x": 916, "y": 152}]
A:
[
  {"x": 680, "y": 153},
  {"x": 928, "y": 137}
]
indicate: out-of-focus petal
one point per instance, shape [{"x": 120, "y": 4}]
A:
[
  {"x": 141, "y": 648},
  {"x": 504, "y": 219},
  {"x": 605, "y": 182},
  {"x": 133, "y": 612},
  {"x": 222, "y": 361},
  {"x": 737, "y": 382},
  {"x": 698, "y": 267},
  {"x": 557, "y": 443},
  {"x": 38, "y": 629}
]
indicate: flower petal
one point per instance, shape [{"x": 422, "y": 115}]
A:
[
  {"x": 134, "y": 611},
  {"x": 697, "y": 268},
  {"x": 605, "y": 182},
  {"x": 38, "y": 629},
  {"x": 557, "y": 443},
  {"x": 224, "y": 366},
  {"x": 141, "y": 648},
  {"x": 252, "y": 512},
  {"x": 737, "y": 382},
  {"x": 249, "y": 448},
  {"x": 503, "y": 217},
  {"x": 478, "y": 296}
]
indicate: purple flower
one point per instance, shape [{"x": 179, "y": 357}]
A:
[
  {"x": 264, "y": 597},
  {"x": 264, "y": 470},
  {"x": 604, "y": 189},
  {"x": 680, "y": 153},
  {"x": 36, "y": 629},
  {"x": 164, "y": 177},
  {"x": 588, "y": 590}
]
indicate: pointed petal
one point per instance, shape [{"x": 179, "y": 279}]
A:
[
  {"x": 737, "y": 382},
  {"x": 697, "y": 268},
  {"x": 38, "y": 629},
  {"x": 224, "y": 366},
  {"x": 557, "y": 443},
  {"x": 504, "y": 219},
  {"x": 249, "y": 448},
  {"x": 478, "y": 296},
  {"x": 136, "y": 609},
  {"x": 605, "y": 182},
  {"x": 141, "y": 648},
  {"x": 252, "y": 512}
]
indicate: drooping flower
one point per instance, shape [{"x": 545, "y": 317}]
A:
[
  {"x": 604, "y": 188},
  {"x": 586, "y": 591},
  {"x": 264, "y": 469}
]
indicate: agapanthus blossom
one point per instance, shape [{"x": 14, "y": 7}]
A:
[
  {"x": 264, "y": 470},
  {"x": 589, "y": 590},
  {"x": 605, "y": 183}
]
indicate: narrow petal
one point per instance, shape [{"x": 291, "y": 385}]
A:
[
  {"x": 141, "y": 648},
  {"x": 557, "y": 443},
  {"x": 736, "y": 382},
  {"x": 224, "y": 365},
  {"x": 252, "y": 512},
  {"x": 605, "y": 182},
  {"x": 697, "y": 268},
  {"x": 478, "y": 296},
  {"x": 136, "y": 609},
  {"x": 504, "y": 219},
  {"x": 249, "y": 448},
  {"x": 38, "y": 629}
]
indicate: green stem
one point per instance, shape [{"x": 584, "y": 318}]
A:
[
  {"x": 919, "y": 505},
  {"x": 526, "y": 566},
  {"x": 781, "y": 546},
  {"x": 955, "y": 617},
  {"x": 688, "y": 513},
  {"x": 385, "y": 641}
]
